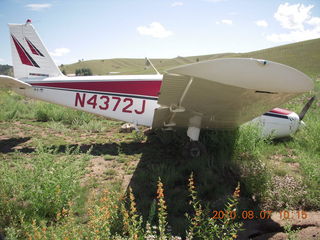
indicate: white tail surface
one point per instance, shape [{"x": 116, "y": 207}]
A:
[{"x": 30, "y": 58}]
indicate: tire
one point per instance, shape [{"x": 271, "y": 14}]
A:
[{"x": 194, "y": 149}]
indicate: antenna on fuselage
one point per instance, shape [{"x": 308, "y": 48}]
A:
[{"x": 148, "y": 64}]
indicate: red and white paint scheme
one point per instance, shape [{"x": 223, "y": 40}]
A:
[
  {"x": 221, "y": 93},
  {"x": 126, "y": 98},
  {"x": 279, "y": 123}
]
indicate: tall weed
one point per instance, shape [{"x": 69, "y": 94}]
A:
[
  {"x": 39, "y": 187},
  {"x": 112, "y": 217},
  {"x": 204, "y": 226}
]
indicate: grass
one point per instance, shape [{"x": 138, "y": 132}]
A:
[
  {"x": 291, "y": 233},
  {"x": 108, "y": 157},
  {"x": 13, "y": 107},
  {"x": 39, "y": 186},
  {"x": 110, "y": 172}
]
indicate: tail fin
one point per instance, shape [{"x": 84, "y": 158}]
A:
[{"x": 30, "y": 58}]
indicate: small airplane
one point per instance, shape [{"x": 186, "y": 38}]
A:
[{"x": 214, "y": 94}]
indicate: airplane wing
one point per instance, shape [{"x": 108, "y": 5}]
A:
[
  {"x": 225, "y": 92},
  {"x": 10, "y": 82}
]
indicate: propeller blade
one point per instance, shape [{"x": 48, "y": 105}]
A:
[{"x": 306, "y": 108}]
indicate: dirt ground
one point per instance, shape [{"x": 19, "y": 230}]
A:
[{"x": 273, "y": 228}]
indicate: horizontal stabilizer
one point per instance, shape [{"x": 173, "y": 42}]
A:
[{"x": 10, "y": 82}]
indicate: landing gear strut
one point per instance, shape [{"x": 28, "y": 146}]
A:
[{"x": 194, "y": 148}]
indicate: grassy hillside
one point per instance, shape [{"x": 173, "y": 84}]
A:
[{"x": 302, "y": 55}]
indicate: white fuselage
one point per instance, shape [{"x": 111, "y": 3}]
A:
[{"x": 129, "y": 98}]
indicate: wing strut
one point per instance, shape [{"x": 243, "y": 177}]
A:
[
  {"x": 185, "y": 91},
  {"x": 149, "y": 63},
  {"x": 174, "y": 109}
]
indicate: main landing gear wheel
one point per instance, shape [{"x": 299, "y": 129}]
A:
[{"x": 194, "y": 149}]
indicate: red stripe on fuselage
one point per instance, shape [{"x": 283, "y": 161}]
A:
[
  {"x": 281, "y": 111},
  {"x": 144, "y": 88}
]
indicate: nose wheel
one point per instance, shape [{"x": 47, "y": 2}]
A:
[{"x": 194, "y": 149}]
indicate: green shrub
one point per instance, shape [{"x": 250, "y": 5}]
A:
[{"x": 39, "y": 187}]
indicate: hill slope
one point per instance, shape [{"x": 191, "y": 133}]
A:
[{"x": 302, "y": 55}]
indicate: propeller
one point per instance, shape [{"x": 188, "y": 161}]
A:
[{"x": 306, "y": 108}]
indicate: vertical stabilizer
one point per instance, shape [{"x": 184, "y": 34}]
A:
[{"x": 30, "y": 58}]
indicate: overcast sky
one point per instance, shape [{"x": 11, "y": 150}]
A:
[{"x": 95, "y": 29}]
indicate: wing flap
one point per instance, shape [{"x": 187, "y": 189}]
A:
[
  {"x": 173, "y": 86},
  {"x": 10, "y": 82}
]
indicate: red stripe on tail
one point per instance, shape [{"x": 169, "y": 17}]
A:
[
  {"x": 23, "y": 57},
  {"x": 33, "y": 48},
  {"x": 23, "y": 54}
]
